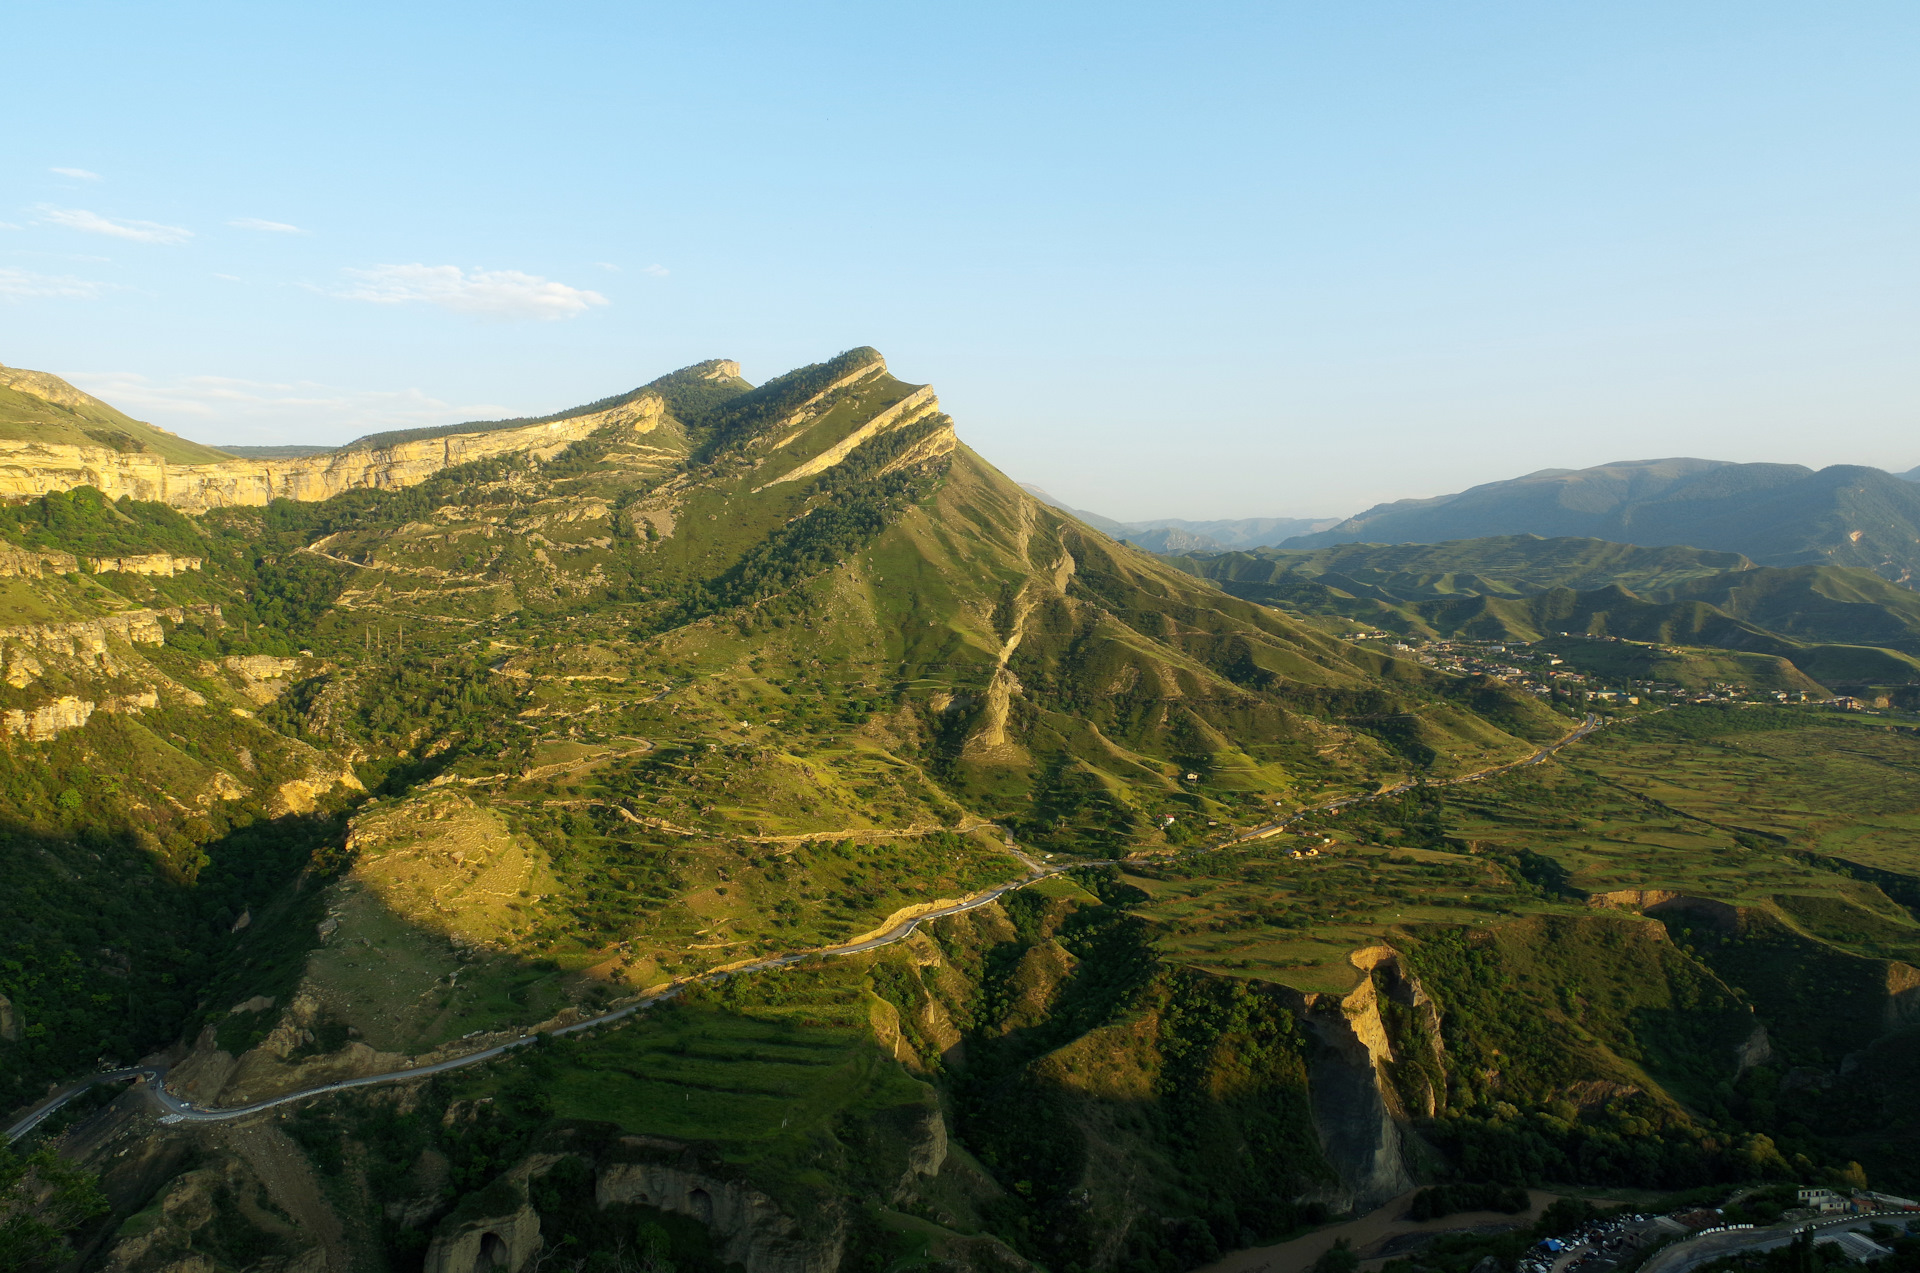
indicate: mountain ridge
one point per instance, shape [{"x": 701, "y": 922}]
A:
[{"x": 1777, "y": 514}]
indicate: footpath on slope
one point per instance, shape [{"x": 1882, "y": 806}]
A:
[
  {"x": 1586, "y": 727},
  {"x": 178, "y": 1110}
]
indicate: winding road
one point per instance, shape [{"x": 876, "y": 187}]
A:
[{"x": 179, "y": 1110}]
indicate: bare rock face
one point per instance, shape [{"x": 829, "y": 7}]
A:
[
  {"x": 749, "y": 1228},
  {"x": 487, "y": 1244},
  {"x": 37, "y": 468},
  {"x": 166, "y": 565},
  {"x": 1903, "y": 995},
  {"x": 9, "y": 1021},
  {"x": 1360, "y": 1085},
  {"x": 1755, "y": 1049}
]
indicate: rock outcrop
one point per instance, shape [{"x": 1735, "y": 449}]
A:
[
  {"x": 22, "y": 563},
  {"x": 749, "y": 1228},
  {"x": 1361, "y": 1083},
  {"x": 1903, "y": 995},
  {"x": 84, "y": 646},
  {"x": 1659, "y": 902},
  {"x": 37, "y": 468},
  {"x": 166, "y": 565},
  {"x": 495, "y": 1243}
]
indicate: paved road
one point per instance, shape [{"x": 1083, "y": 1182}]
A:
[
  {"x": 1691, "y": 1253},
  {"x": 1587, "y": 726},
  {"x": 179, "y": 1110}
]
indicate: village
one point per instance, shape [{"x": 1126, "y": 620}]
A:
[{"x": 1540, "y": 670}]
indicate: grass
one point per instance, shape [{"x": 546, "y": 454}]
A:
[
  {"x": 755, "y": 1086},
  {"x": 1732, "y": 817},
  {"x": 409, "y": 989}
]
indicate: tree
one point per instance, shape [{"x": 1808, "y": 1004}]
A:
[
  {"x": 42, "y": 1200},
  {"x": 1341, "y": 1258}
]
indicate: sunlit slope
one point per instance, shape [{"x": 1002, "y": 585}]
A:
[
  {"x": 37, "y": 407},
  {"x": 753, "y": 670},
  {"x": 1776, "y": 514},
  {"x": 1833, "y": 624}
]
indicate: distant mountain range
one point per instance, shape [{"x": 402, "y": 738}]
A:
[
  {"x": 1776, "y": 514},
  {"x": 1178, "y": 535}
]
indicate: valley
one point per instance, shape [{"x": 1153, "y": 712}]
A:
[{"x": 728, "y": 826}]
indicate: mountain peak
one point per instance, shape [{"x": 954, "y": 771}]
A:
[{"x": 49, "y": 388}]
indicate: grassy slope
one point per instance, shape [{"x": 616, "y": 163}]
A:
[
  {"x": 1834, "y": 625},
  {"x": 73, "y": 418},
  {"x": 1777, "y": 514},
  {"x": 788, "y": 771},
  {"x": 1797, "y": 830}
]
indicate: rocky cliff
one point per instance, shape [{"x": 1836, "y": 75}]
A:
[{"x": 36, "y": 465}]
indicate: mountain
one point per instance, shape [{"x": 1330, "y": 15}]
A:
[
  {"x": 1117, "y": 529},
  {"x": 47, "y": 412},
  {"x": 1176, "y": 535},
  {"x": 719, "y": 620},
  {"x": 1240, "y": 532},
  {"x": 1510, "y": 565},
  {"x": 1837, "y": 626},
  {"x": 1776, "y": 514},
  {"x": 977, "y": 891},
  {"x": 55, "y": 438}
]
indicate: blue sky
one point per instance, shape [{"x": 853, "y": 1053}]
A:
[{"x": 1165, "y": 260}]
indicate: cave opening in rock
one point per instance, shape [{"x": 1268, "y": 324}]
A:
[{"x": 493, "y": 1254}]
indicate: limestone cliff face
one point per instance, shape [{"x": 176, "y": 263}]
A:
[
  {"x": 165, "y": 565},
  {"x": 35, "y": 468}
]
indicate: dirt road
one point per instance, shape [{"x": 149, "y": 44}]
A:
[{"x": 1369, "y": 1233}]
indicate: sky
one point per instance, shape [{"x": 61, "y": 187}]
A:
[{"x": 1165, "y": 260}]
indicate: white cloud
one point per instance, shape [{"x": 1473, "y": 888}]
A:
[
  {"x": 80, "y": 174},
  {"x": 608, "y": 265},
  {"x": 224, "y": 409},
  {"x": 94, "y": 223},
  {"x": 274, "y": 227},
  {"x": 487, "y": 293},
  {"x": 19, "y": 285},
  {"x": 8, "y": 225},
  {"x": 658, "y": 271}
]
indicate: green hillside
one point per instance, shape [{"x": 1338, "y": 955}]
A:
[
  {"x": 753, "y": 675},
  {"x": 1776, "y": 514},
  {"x": 1836, "y": 625},
  {"x": 37, "y": 407},
  {"x": 761, "y": 671}
]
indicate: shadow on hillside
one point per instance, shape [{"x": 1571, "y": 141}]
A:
[{"x": 107, "y": 953}]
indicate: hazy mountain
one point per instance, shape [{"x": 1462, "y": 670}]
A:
[
  {"x": 1242, "y": 532},
  {"x": 1116, "y": 529},
  {"x": 1177, "y": 535},
  {"x": 1776, "y": 514}
]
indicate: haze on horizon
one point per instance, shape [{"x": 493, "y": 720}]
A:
[{"x": 1251, "y": 260}]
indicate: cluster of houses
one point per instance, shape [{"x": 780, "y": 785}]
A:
[
  {"x": 1544, "y": 673},
  {"x": 1852, "y": 1201}
]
